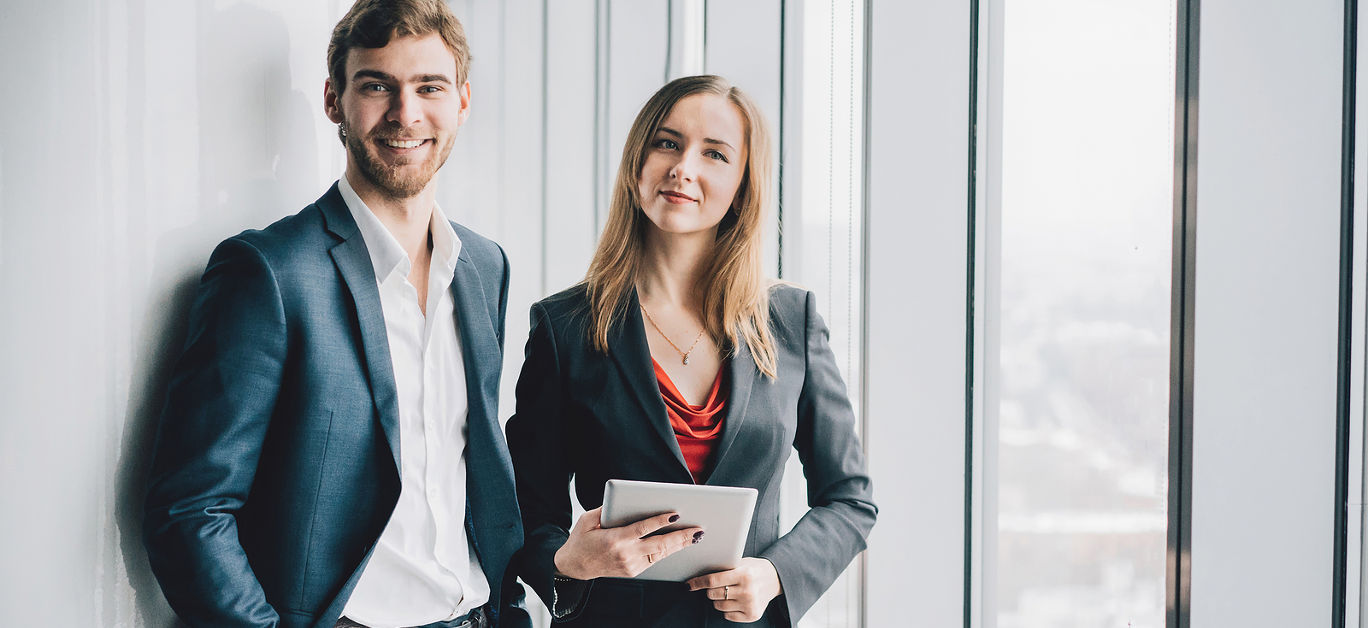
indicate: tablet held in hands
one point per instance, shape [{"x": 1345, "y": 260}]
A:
[{"x": 724, "y": 512}]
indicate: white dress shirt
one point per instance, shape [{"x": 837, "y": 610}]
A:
[{"x": 423, "y": 568}]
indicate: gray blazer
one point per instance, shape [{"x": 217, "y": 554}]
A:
[{"x": 597, "y": 416}]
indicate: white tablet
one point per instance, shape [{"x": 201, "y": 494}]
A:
[{"x": 724, "y": 513}]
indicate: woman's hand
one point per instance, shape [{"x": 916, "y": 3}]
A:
[
  {"x": 742, "y": 593},
  {"x": 593, "y": 551}
]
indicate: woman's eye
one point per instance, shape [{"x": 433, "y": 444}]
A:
[
  {"x": 713, "y": 154},
  {"x": 666, "y": 144}
]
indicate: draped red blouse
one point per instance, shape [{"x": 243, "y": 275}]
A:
[{"x": 697, "y": 428}]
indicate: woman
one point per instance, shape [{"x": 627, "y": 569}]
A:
[{"x": 674, "y": 361}]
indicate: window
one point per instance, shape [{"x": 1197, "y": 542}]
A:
[{"x": 1077, "y": 314}]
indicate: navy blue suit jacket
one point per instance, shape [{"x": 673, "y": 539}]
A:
[{"x": 277, "y": 457}]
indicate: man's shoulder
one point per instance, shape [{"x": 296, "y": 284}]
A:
[
  {"x": 305, "y": 225},
  {"x": 302, "y": 234},
  {"x": 480, "y": 249}
]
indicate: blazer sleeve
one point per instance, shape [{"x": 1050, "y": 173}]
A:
[
  {"x": 538, "y": 446},
  {"x": 503, "y": 297},
  {"x": 218, "y": 407},
  {"x": 841, "y": 509}
]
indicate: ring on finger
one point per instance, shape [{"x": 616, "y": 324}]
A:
[
  {"x": 650, "y": 558},
  {"x": 726, "y": 591}
]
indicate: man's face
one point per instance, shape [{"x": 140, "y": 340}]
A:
[{"x": 401, "y": 109}]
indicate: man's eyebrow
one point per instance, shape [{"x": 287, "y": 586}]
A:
[
  {"x": 375, "y": 74},
  {"x": 706, "y": 140},
  {"x": 422, "y": 78}
]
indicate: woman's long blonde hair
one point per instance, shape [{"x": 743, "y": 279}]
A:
[{"x": 735, "y": 297}]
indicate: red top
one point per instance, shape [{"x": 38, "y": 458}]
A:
[{"x": 696, "y": 427}]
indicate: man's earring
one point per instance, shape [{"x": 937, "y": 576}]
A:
[{"x": 342, "y": 128}]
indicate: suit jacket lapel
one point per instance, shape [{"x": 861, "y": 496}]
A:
[
  {"x": 627, "y": 344},
  {"x": 354, "y": 263},
  {"x": 488, "y": 473},
  {"x": 741, "y": 374},
  {"x": 479, "y": 348}
]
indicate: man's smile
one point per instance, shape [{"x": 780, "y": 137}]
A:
[{"x": 402, "y": 145}]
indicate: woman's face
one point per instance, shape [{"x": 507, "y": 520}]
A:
[{"x": 693, "y": 165}]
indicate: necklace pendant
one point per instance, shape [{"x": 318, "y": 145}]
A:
[{"x": 686, "y": 359}]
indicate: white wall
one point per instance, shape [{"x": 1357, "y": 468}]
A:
[
  {"x": 1267, "y": 278},
  {"x": 151, "y": 130}
]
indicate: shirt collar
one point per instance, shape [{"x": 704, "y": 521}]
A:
[
  {"x": 446, "y": 245},
  {"x": 387, "y": 256}
]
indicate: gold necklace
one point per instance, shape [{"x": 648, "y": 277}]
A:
[{"x": 683, "y": 354}]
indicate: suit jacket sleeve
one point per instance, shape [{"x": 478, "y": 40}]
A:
[
  {"x": 812, "y": 555},
  {"x": 536, "y": 441},
  {"x": 218, "y": 407},
  {"x": 503, "y": 298}
]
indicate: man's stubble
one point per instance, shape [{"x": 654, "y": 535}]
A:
[{"x": 389, "y": 180}]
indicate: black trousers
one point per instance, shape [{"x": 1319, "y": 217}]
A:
[{"x": 624, "y": 603}]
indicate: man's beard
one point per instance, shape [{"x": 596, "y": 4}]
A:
[{"x": 392, "y": 180}]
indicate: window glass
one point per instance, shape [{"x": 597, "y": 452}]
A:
[{"x": 1078, "y": 414}]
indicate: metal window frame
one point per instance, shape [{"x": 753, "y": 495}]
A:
[
  {"x": 1178, "y": 581},
  {"x": 1344, "y": 407}
]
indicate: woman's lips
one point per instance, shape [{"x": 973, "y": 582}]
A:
[{"x": 677, "y": 198}]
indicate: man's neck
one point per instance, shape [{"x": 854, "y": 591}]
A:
[{"x": 407, "y": 219}]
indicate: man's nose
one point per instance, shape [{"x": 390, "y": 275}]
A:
[{"x": 404, "y": 109}]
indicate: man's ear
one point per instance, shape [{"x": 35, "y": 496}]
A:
[
  {"x": 331, "y": 102},
  {"x": 464, "y": 93}
]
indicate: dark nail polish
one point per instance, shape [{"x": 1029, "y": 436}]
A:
[
  {"x": 698, "y": 536},
  {"x": 674, "y": 518}
]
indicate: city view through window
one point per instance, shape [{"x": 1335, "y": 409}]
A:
[{"x": 1082, "y": 318}]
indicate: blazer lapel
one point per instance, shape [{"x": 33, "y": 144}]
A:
[
  {"x": 354, "y": 263},
  {"x": 479, "y": 348},
  {"x": 489, "y": 473},
  {"x": 627, "y": 344},
  {"x": 741, "y": 375}
]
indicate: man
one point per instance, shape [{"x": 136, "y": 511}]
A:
[{"x": 329, "y": 454}]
